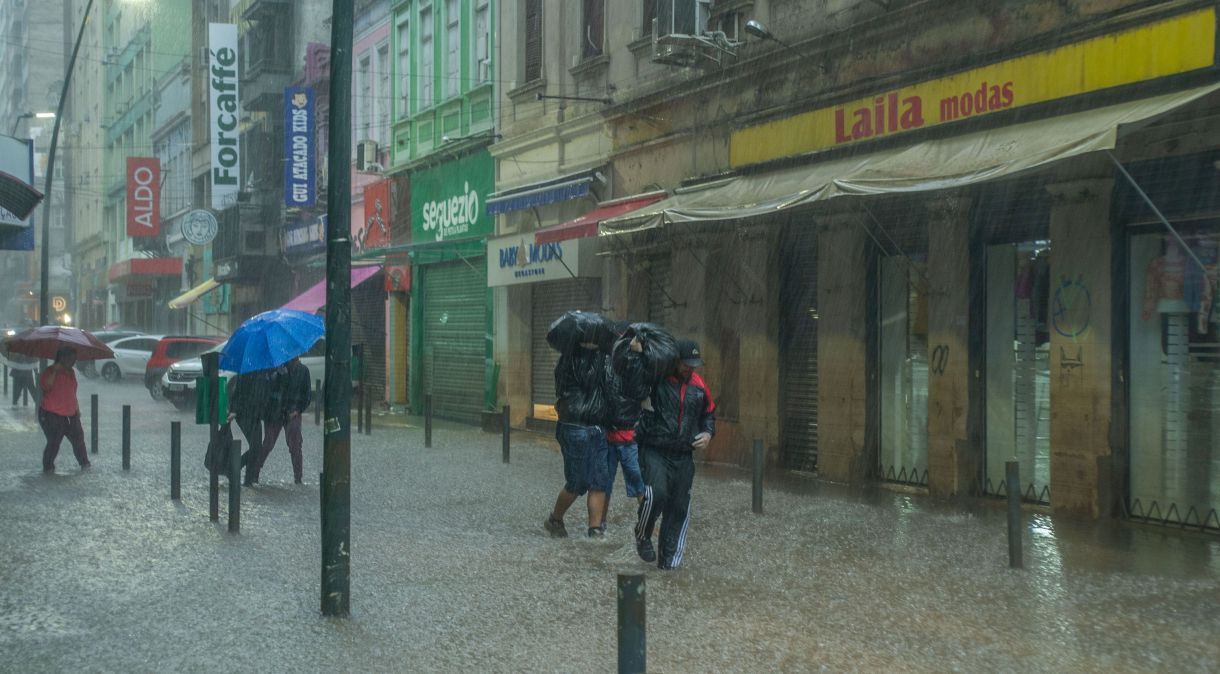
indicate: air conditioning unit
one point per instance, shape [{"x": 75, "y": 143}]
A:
[
  {"x": 680, "y": 35},
  {"x": 366, "y": 154}
]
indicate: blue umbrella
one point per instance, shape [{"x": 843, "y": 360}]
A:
[{"x": 271, "y": 339}]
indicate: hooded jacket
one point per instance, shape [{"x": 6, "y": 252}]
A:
[
  {"x": 580, "y": 379},
  {"x": 627, "y": 389},
  {"x": 680, "y": 411}
]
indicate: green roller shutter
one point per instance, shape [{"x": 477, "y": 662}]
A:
[{"x": 454, "y": 334}]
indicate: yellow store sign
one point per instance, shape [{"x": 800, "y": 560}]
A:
[{"x": 1173, "y": 46}]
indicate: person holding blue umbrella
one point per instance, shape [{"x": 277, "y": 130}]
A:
[{"x": 273, "y": 341}]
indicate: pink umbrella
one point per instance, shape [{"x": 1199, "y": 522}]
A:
[{"x": 43, "y": 342}]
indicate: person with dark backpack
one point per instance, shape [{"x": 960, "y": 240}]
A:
[
  {"x": 682, "y": 420},
  {"x": 290, "y": 396}
]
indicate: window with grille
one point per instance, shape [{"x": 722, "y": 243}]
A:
[{"x": 533, "y": 40}]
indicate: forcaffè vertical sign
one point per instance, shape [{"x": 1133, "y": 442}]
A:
[{"x": 224, "y": 114}]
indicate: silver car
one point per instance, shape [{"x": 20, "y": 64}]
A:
[{"x": 178, "y": 382}]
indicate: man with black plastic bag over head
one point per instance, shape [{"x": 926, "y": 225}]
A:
[
  {"x": 682, "y": 420},
  {"x": 584, "y": 341}
]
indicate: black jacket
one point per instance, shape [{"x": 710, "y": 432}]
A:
[
  {"x": 626, "y": 388},
  {"x": 290, "y": 392},
  {"x": 580, "y": 379},
  {"x": 249, "y": 394},
  {"x": 680, "y": 411}
]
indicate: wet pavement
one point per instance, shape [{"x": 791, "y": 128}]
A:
[{"x": 451, "y": 570}]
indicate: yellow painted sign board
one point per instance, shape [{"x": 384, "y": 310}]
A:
[{"x": 1170, "y": 47}]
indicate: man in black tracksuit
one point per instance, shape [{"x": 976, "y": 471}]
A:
[{"x": 682, "y": 419}]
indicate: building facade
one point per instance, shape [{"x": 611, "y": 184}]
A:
[{"x": 909, "y": 254}]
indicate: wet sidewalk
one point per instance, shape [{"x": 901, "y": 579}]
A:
[{"x": 452, "y": 572}]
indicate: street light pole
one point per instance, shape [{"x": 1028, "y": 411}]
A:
[
  {"x": 336, "y": 424},
  {"x": 44, "y": 301}
]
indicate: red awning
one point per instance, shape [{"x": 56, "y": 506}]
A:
[
  {"x": 586, "y": 225},
  {"x": 141, "y": 266}
]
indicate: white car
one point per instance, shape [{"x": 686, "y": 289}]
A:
[
  {"x": 131, "y": 356},
  {"x": 178, "y": 382}
]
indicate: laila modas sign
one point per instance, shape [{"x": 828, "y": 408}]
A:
[{"x": 224, "y": 114}]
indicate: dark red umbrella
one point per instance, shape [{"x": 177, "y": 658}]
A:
[{"x": 43, "y": 342}]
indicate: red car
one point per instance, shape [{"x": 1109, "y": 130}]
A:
[{"x": 168, "y": 351}]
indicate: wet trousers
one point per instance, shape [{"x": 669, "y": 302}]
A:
[
  {"x": 669, "y": 476},
  {"x": 292, "y": 433},
  {"x": 252, "y": 428},
  {"x": 23, "y": 380},
  {"x": 56, "y": 427}
]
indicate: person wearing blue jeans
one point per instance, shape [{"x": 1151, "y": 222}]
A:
[
  {"x": 626, "y": 388},
  {"x": 582, "y": 409}
]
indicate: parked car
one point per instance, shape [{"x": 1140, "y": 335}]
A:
[
  {"x": 88, "y": 367},
  {"x": 168, "y": 351},
  {"x": 130, "y": 357},
  {"x": 178, "y": 382}
]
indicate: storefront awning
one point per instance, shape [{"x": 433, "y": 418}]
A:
[
  {"x": 193, "y": 294},
  {"x": 552, "y": 191},
  {"x": 938, "y": 164},
  {"x": 587, "y": 224},
  {"x": 17, "y": 196},
  {"x": 315, "y": 298}
]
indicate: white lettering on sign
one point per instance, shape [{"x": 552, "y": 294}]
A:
[
  {"x": 453, "y": 216},
  {"x": 142, "y": 196},
  {"x": 223, "y": 96}
]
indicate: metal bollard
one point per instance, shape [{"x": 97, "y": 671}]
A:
[
  {"x": 93, "y": 423},
  {"x": 213, "y": 494},
  {"x": 1012, "y": 480},
  {"x": 235, "y": 487},
  {"x": 427, "y": 421},
  {"x": 631, "y": 624},
  {"x": 368, "y": 412},
  {"x": 758, "y": 476},
  {"x": 175, "y": 460},
  {"x": 126, "y": 437},
  {"x": 507, "y": 428},
  {"x": 317, "y": 402},
  {"x": 6, "y": 381},
  {"x": 360, "y": 409}
]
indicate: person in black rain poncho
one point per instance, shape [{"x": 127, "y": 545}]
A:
[
  {"x": 584, "y": 341},
  {"x": 682, "y": 420}
]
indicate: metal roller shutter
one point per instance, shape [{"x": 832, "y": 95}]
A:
[
  {"x": 368, "y": 329},
  {"x": 660, "y": 290},
  {"x": 454, "y": 338},
  {"x": 551, "y": 299},
  {"x": 799, "y": 348}
]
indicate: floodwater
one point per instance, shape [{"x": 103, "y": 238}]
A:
[{"x": 451, "y": 571}]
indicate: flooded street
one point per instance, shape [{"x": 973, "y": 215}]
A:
[{"x": 452, "y": 571}]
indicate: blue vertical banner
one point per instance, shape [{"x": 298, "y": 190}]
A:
[{"x": 300, "y": 167}]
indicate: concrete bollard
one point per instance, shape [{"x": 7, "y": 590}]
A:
[
  {"x": 507, "y": 432},
  {"x": 235, "y": 487},
  {"x": 175, "y": 460},
  {"x": 632, "y": 635},
  {"x": 1012, "y": 480},
  {"x": 317, "y": 402},
  {"x": 93, "y": 423},
  {"x": 427, "y": 421},
  {"x": 368, "y": 412},
  {"x": 758, "y": 476},
  {"x": 126, "y": 437}
]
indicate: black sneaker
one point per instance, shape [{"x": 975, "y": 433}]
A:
[
  {"x": 597, "y": 532},
  {"x": 645, "y": 550},
  {"x": 664, "y": 565},
  {"x": 555, "y": 527}
]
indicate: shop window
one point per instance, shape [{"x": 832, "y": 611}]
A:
[
  {"x": 1018, "y": 366},
  {"x": 1174, "y": 361},
  {"x": 904, "y": 369}
]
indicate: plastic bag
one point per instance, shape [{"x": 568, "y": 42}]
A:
[
  {"x": 660, "y": 350},
  {"x": 574, "y": 328}
]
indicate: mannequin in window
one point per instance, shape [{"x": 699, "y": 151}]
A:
[{"x": 1164, "y": 283}]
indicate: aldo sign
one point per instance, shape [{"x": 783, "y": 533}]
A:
[
  {"x": 223, "y": 113},
  {"x": 143, "y": 196}
]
